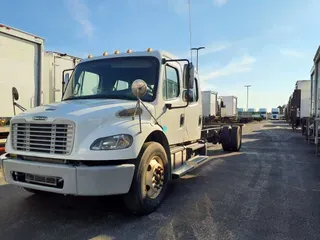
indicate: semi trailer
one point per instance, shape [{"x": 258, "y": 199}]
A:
[
  {"x": 128, "y": 123},
  {"x": 300, "y": 104}
]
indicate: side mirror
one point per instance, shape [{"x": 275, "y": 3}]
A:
[
  {"x": 139, "y": 88},
  {"x": 190, "y": 78},
  {"x": 66, "y": 79},
  {"x": 15, "y": 94}
]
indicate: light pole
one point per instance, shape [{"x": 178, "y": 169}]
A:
[
  {"x": 247, "y": 86},
  {"x": 197, "y": 49}
]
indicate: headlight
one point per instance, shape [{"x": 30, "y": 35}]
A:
[{"x": 116, "y": 142}]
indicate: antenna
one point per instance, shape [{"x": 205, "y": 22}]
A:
[{"x": 190, "y": 32}]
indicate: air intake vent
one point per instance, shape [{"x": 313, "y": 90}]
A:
[{"x": 53, "y": 138}]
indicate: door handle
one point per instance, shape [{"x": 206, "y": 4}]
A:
[{"x": 181, "y": 120}]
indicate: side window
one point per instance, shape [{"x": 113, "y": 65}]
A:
[
  {"x": 89, "y": 83},
  {"x": 170, "y": 83},
  {"x": 120, "y": 85}
]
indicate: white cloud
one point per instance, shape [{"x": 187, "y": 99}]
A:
[
  {"x": 179, "y": 6},
  {"x": 80, "y": 13},
  {"x": 242, "y": 65},
  {"x": 219, "y": 3},
  {"x": 291, "y": 53},
  {"x": 213, "y": 48}
]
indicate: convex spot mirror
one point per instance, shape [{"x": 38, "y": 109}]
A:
[
  {"x": 139, "y": 88},
  {"x": 15, "y": 94}
]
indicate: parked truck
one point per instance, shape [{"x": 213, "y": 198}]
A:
[
  {"x": 275, "y": 114},
  {"x": 33, "y": 72},
  {"x": 229, "y": 108},
  {"x": 209, "y": 105},
  {"x": 300, "y": 104},
  {"x": 263, "y": 113},
  {"x": 118, "y": 130}
]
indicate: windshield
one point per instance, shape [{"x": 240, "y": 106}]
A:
[
  {"x": 112, "y": 78},
  {"x": 263, "y": 112},
  {"x": 275, "y": 112}
]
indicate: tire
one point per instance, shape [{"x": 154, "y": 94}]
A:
[
  {"x": 225, "y": 138},
  {"x": 235, "y": 139},
  {"x": 137, "y": 199}
]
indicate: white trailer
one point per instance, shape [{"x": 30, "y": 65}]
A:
[
  {"x": 229, "y": 109},
  {"x": 20, "y": 67},
  {"x": 305, "y": 97},
  {"x": 53, "y": 66},
  {"x": 209, "y": 103},
  {"x": 128, "y": 123}
]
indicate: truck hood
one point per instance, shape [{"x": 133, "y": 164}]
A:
[{"x": 104, "y": 110}]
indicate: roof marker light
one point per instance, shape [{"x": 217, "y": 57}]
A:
[
  {"x": 116, "y": 52},
  {"x": 129, "y": 51},
  {"x": 104, "y": 53},
  {"x": 149, "y": 50}
]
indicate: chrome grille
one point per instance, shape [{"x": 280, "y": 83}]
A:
[{"x": 53, "y": 138}]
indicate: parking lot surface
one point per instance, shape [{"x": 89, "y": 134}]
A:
[{"x": 268, "y": 190}]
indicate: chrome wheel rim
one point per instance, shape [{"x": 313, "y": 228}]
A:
[{"x": 154, "y": 177}]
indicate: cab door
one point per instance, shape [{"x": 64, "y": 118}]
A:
[
  {"x": 193, "y": 114},
  {"x": 172, "y": 120}
]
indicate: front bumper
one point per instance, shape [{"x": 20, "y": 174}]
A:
[{"x": 76, "y": 180}]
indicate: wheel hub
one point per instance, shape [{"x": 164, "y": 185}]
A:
[{"x": 154, "y": 177}]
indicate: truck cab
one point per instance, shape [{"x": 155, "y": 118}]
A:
[
  {"x": 274, "y": 114},
  {"x": 263, "y": 113},
  {"x": 127, "y": 124}
]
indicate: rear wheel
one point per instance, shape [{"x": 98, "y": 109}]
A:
[
  {"x": 235, "y": 139},
  {"x": 225, "y": 138},
  {"x": 150, "y": 180}
]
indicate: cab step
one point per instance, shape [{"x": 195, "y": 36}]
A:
[{"x": 188, "y": 166}]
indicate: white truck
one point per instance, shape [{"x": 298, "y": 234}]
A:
[
  {"x": 127, "y": 124},
  {"x": 209, "y": 105},
  {"x": 230, "y": 106},
  {"x": 38, "y": 78},
  {"x": 27, "y": 68},
  {"x": 274, "y": 113},
  {"x": 263, "y": 113}
]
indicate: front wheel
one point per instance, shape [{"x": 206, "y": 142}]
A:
[{"x": 150, "y": 180}]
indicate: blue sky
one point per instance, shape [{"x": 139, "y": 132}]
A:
[{"x": 266, "y": 43}]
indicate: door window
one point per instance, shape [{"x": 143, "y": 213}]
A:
[
  {"x": 88, "y": 84},
  {"x": 120, "y": 85},
  {"x": 171, "y": 83}
]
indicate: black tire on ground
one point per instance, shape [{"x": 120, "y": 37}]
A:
[
  {"x": 235, "y": 138},
  {"x": 137, "y": 200},
  {"x": 225, "y": 138}
]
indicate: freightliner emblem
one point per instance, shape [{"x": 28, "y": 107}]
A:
[{"x": 43, "y": 118}]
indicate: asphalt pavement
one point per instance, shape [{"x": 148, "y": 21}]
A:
[{"x": 268, "y": 190}]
